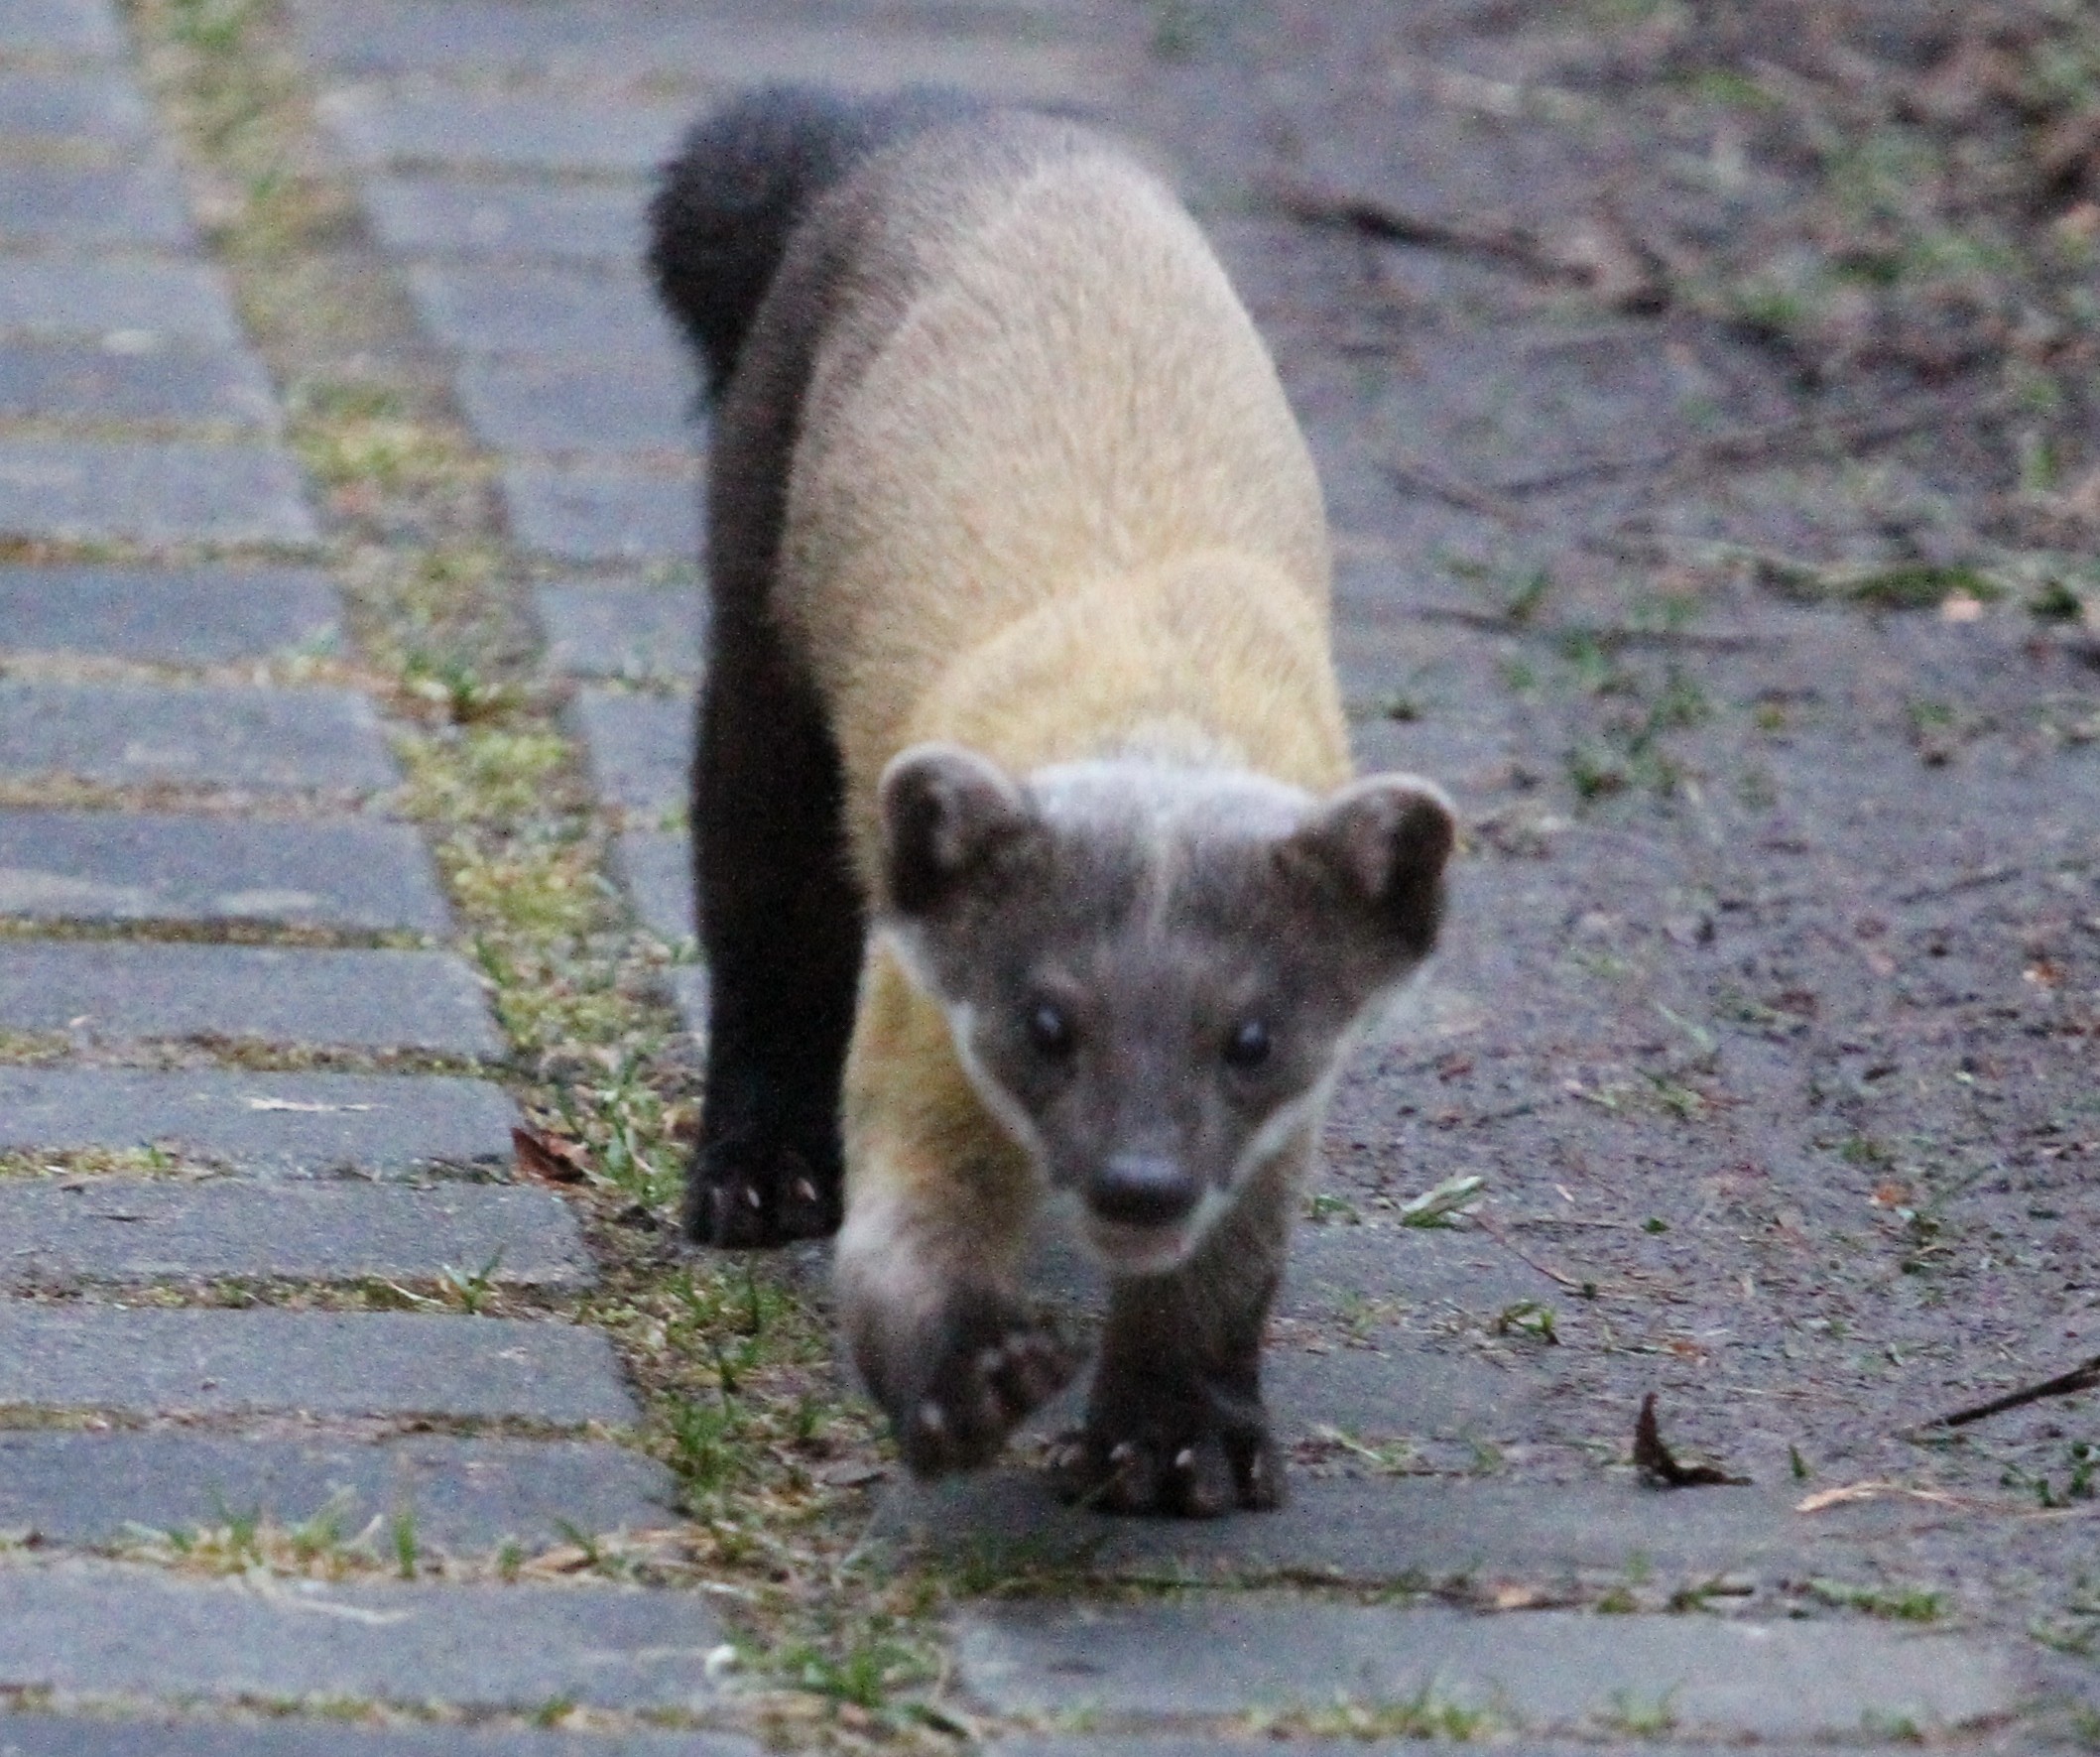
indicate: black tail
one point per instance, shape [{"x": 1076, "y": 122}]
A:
[{"x": 729, "y": 202}]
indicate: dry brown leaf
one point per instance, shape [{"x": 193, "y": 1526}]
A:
[
  {"x": 547, "y": 1157},
  {"x": 568, "y": 1559},
  {"x": 1659, "y": 1467}
]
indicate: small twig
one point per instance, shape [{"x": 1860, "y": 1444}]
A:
[
  {"x": 1759, "y": 443},
  {"x": 1974, "y": 881},
  {"x": 1589, "y": 1288},
  {"x": 1608, "y": 637},
  {"x": 1379, "y": 218},
  {"x": 1414, "y": 471},
  {"x": 1561, "y": 1278},
  {"x": 1503, "y": 500},
  {"x": 2083, "y": 1377}
]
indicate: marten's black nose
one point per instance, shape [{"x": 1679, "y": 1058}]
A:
[{"x": 1141, "y": 1190}]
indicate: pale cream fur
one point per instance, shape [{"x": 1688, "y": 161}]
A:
[{"x": 1060, "y": 510}]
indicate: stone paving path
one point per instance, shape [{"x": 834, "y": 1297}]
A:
[{"x": 248, "y": 1068}]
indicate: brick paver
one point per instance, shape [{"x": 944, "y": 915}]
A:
[
  {"x": 280, "y": 1124},
  {"x": 638, "y": 632},
  {"x": 37, "y": 1735},
  {"x": 433, "y": 215},
  {"x": 658, "y": 868},
  {"x": 134, "y": 1230},
  {"x": 192, "y": 616},
  {"x": 641, "y": 747},
  {"x": 598, "y": 406},
  {"x": 84, "y": 490},
  {"x": 467, "y": 1496},
  {"x": 213, "y": 1362},
  {"x": 128, "y": 734},
  {"x": 75, "y": 204},
  {"x": 81, "y": 1628},
  {"x": 557, "y": 311},
  {"x": 1224, "y": 1654},
  {"x": 587, "y": 512},
  {"x": 352, "y": 875},
  {"x": 422, "y": 1000},
  {"x": 54, "y": 105},
  {"x": 98, "y": 382},
  {"x": 509, "y": 131},
  {"x": 61, "y": 27},
  {"x": 137, "y": 299}
]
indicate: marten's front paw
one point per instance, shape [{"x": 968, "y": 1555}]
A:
[
  {"x": 742, "y": 1192},
  {"x": 995, "y": 1368},
  {"x": 1192, "y": 1471}
]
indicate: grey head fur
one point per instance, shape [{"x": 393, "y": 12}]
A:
[{"x": 1153, "y": 970}]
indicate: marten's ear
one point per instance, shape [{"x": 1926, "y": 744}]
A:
[
  {"x": 946, "y": 813},
  {"x": 1381, "y": 844}
]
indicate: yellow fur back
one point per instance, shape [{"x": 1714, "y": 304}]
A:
[{"x": 1059, "y": 506}]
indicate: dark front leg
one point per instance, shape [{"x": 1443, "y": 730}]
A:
[
  {"x": 1176, "y": 1424},
  {"x": 780, "y": 923}
]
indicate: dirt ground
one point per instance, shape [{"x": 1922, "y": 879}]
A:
[{"x": 1706, "y": 399}]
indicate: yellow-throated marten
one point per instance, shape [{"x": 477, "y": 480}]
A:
[{"x": 1030, "y": 862}]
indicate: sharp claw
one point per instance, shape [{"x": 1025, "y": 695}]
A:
[
  {"x": 1185, "y": 1458},
  {"x": 805, "y": 1190},
  {"x": 752, "y": 1198},
  {"x": 933, "y": 1421}
]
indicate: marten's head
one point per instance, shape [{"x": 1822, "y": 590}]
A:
[{"x": 1152, "y": 971}]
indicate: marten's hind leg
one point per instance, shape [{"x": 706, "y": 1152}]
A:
[{"x": 780, "y": 923}]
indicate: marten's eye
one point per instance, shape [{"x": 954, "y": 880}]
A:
[
  {"x": 1248, "y": 1046},
  {"x": 1049, "y": 1030}
]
